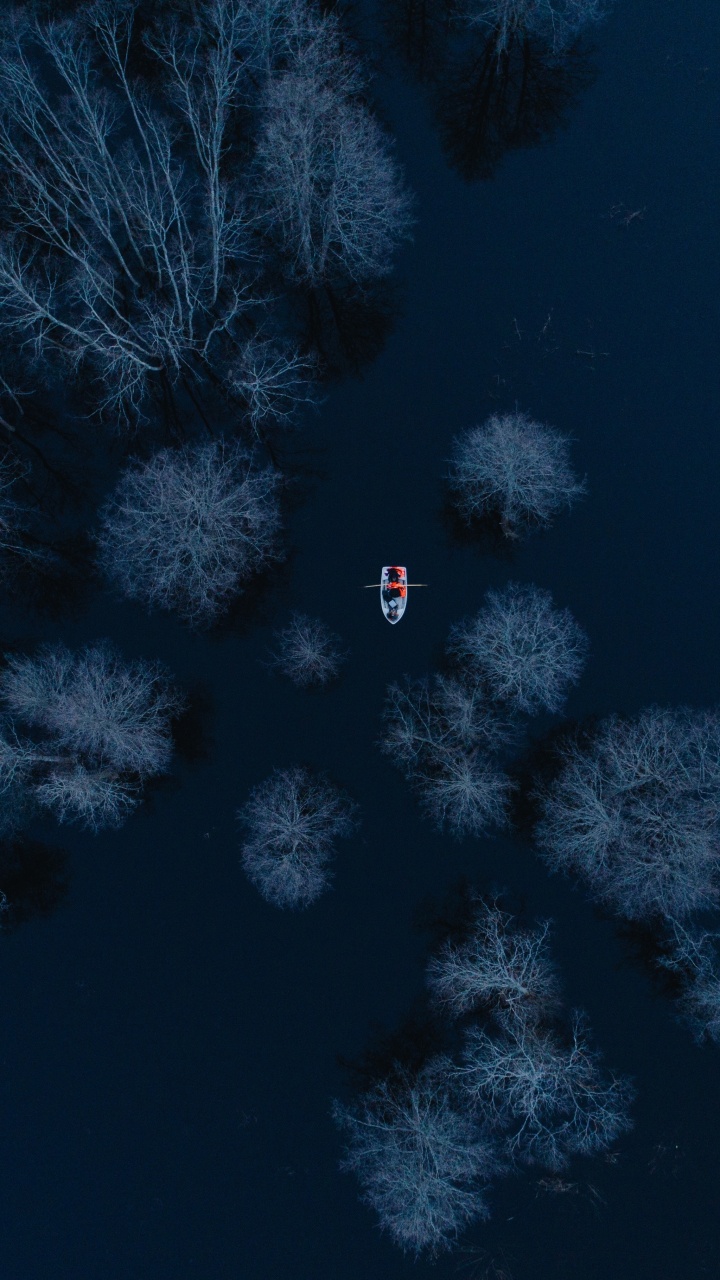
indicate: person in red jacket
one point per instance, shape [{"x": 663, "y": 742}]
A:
[{"x": 394, "y": 586}]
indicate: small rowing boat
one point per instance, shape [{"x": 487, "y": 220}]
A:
[{"x": 393, "y": 591}]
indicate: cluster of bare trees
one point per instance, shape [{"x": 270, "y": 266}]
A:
[
  {"x": 327, "y": 189},
  {"x": 634, "y": 811},
  {"x": 178, "y": 191},
  {"x": 80, "y": 734},
  {"x": 526, "y": 1087},
  {"x": 514, "y": 469},
  {"x": 291, "y": 823},
  {"x": 447, "y": 734},
  {"x": 146, "y": 216}
]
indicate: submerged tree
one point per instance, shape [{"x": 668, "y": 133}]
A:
[
  {"x": 497, "y": 966},
  {"x": 328, "y": 190},
  {"x": 34, "y": 880},
  {"x": 81, "y": 733},
  {"x": 422, "y": 1161},
  {"x": 551, "y": 1099},
  {"x": 514, "y": 468},
  {"x": 185, "y": 530},
  {"x": 440, "y": 735},
  {"x": 527, "y": 651},
  {"x": 308, "y": 652},
  {"x": 292, "y": 821},
  {"x": 636, "y": 813}
]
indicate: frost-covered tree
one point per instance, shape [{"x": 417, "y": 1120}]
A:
[
  {"x": 514, "y": 468},
  {"x": 146, "y": 213},
  {"x": 328, "y": 190},
  {"x": 131, "y": 250},
  {"x": 497, "y": 966},
  {"x": 526, "y": 651},
  {"x": 636, "y": 813},
  {"x": 292, "y": 821},
  {"x": 307, "y": 651},
  {"x": 187, "y": 528},
  {"x": 440, "y": 734},
  {"x": 551, "y": 1099},
  {"x": 423, "y": 1163},
  {"x": 81, "y": 732},
  {"x": 556, "y": 24}
]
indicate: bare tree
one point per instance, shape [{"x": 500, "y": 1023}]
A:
[
  {"x": 136, "y": 260},
  {"x": 186, "y": 529},
  {"x": 292, "y": 821},
  {"x": 422, "y": 1162},
  {"x": 440, "y": 735},
  {"x": 273, "y": 377},
  {"x": 99, "y": 727},
  {"x": 328, "y": 190},
  {"x": 527, "y": 651},
  {"x": 308, "y": 652},
  {"x": 134, "y": 250},
  {"x": 497, "y": 966},
  {"x": 551, "y": 1099},
  {"x": 693, "y": 956},
  {"x": 555, "y": 23},
  {"x": 515, "y": 468},
  {"x": 637, "y": 813}
]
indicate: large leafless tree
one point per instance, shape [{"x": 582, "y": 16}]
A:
[
  {"x": 522, "y": 647},
  {"x": 185, "y": 529},
  {"x": 422, "y": 1161},
  {"x": 636, "y": 813},
  {"x": 80, "y": 733}
]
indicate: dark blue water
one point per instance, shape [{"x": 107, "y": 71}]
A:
[{"x": 169, "y": 1043}]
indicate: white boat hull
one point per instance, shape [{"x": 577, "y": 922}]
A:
[{"x": 393, "y": 593}]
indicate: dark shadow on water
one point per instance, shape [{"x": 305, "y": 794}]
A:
[
  {"x": 645, "y": 948},
  {"x": 487, "y": 105},
  {"x": 536, "y": 767},
  {"x": 482, "y": 534},
  {"x": 420, "y": 1036},
  {"x": 34, "y": 880},
  {"x": 60, "y": 585},
  {"x": 259, "y": 602},
  {"x": 191, "y": 732},
  {"x": 348, "y": 326},
  {"x": 449, "y": 917},
  {"x": 418, "y": 31}
]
